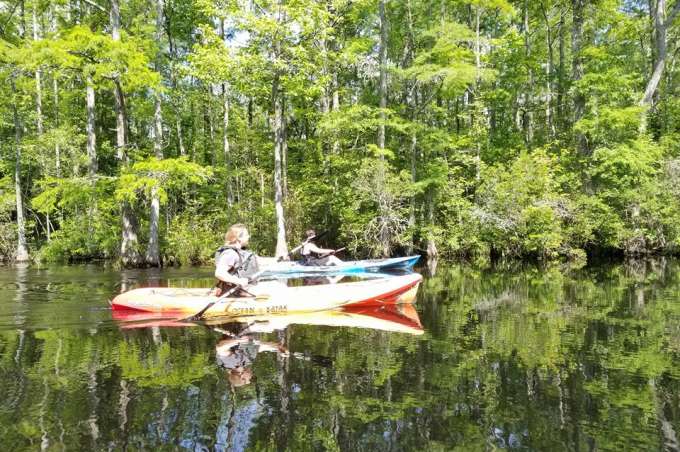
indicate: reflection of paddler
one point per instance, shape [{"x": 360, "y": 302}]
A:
[{"x": 237, "y": 355}]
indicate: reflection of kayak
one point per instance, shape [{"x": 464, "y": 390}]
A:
[
  {"x": 285, "y": 268},
  {"x": 401, "y": 318},
  {"x": 269, "y": 300}
]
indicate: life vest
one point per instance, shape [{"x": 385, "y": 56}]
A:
[
  {"x": 310, "y": 257},
  {"x": 247, "y": 265},
  {"x": 245, "y": 268}
]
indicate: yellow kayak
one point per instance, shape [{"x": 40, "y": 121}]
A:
[{"x": 271, "y": 299}]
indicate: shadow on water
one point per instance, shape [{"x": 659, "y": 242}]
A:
[{"x": 516, "y": 357}]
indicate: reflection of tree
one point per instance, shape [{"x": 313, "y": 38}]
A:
[{"x": 540, "y": 358}]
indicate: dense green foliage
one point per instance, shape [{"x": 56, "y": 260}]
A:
[{"x": 454, "y": 127}]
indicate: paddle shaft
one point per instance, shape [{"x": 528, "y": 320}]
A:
[
  {"x": 200, "y": 313},
  {"x": 307, "y": 240},
  {"x": 333, "y": 252}
]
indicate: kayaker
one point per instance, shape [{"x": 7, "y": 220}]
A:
[
  {"x": 237, "y": 354},
  {"x": 234, "y": 264},
  {"x": 313, "y": 255}
]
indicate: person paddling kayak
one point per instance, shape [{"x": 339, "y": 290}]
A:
[
  {"x": 313, "y": 255},
  {"x": 234, "y": 264}
]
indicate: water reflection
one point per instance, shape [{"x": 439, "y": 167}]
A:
[{"x": 528, "y": 358}]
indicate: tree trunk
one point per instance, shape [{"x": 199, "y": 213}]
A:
[
  {"x": 91, "y": 134},
  {"x": 121, "y": 153},
  {"x": 38, "y": 82},
  {"x": 528, "y": 120},
  {"x": 560, "y": 70},
  {"x": 57, "y": 148},
  {"x": 281, "y": 245},
  {"x": 153, "y": 250},
  {"x": 225, "y": 143},
  {"x": 661, "y": 23},
  {"x": 129, "y": 253},
  {"x": 577, "y": 70},
  {"x": 478, "y": 66},
  {"x": 414, "y": 161},
  {"x": 549, "y": 64},
  {"x": 335, "y": 105},
  {"x": 118, "y": 89},
  {"x": 432, "y": 252},
  {"x": 178, "y": 130},
  {"x": 284, "y": 150},
  {"x": 55, "y": 93},
  {"x": 383, "y": 74},
  {"x": 225, "y": 130},
  {"x": 22, "y": 248},
  {"x": 208, "y": 122}
]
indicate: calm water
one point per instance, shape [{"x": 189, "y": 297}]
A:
[{"x": 517, "y": 358}]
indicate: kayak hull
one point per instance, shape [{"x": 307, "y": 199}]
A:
[
  {"x": 401, "y": 318},
  {"x": 270, "y": 300},
  {"x": 294, "y": 268}
]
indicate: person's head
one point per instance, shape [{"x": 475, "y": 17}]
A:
[
  {"x": 237, "y": 235},
  {"x": 310, "y": 233},
  {"x": 240, "y": 376}
]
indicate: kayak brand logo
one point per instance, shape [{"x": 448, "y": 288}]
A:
[{"x": 248, "y": 310}]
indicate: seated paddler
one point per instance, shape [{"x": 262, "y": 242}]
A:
[
  {"x": 234, "y": 264},
  {"x": 313, "y": 255}
]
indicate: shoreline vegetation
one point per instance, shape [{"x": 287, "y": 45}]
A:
[{"x": 137, "y": 132}]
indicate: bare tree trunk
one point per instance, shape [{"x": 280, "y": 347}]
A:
[
  {"x": 549, "y": 64},
  {"x": 281, "y": 245},
  {"x": 153, "y": 251},
  {"x": 153, "y": 257},
  {"x": 414, "y": 160},
  {"x": 225, "y": 143},
  {"x": 129, "y": 253},
  {"x": 118, "y": 89},
  {"x": 284, "y": 150},
  {"x": 383, "y": 74},
  {"x": 121, "y": 153},
  {"x": 38, "y": 82},
  {"x": 57, "y": 148},
  {"x": 180, "y": 140},
  {"x": 55, "y": 92},
  {"x": 478, "y": 80},
  {"x": 279, "y": 138},
  {"x": 22, "y": 248},
  {"x": 208, "y": 121},
  {"x": 335, "y": 105},
  {"x": 225, "y": 130},
  {"x": 432, "y": 252},
  {"x": 528, "y": 122},
  {"x": 560, "y": 75},
  {"x": 661, "y": 23},
  {"x": 91, "y": 134},
  {"x": 577, "y": 70}
]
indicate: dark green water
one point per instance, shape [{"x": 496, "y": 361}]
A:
[{"x": 530, "y": 359}]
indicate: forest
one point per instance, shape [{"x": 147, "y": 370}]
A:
[{"x": 137, "y": 131}]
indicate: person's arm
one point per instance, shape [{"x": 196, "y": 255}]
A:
[{"x": 315, "y": 249}]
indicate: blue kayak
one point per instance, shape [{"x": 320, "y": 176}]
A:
[{"x": 367, "y": 265}]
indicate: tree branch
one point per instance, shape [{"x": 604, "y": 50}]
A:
[{"x": 99, "y": 7}]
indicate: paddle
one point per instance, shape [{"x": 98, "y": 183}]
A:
[
  {"x": 333, "y": 252},
  {"x": 200, "y": 313},
  {"x": 299, "y": 247}
]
